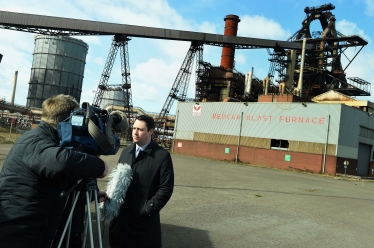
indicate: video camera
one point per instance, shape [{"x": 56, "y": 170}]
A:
[{"x": 92, "y": 130}]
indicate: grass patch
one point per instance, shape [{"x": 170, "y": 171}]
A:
[
  {"x": 4, "y": 140},
  {"x": 4, "y": 136},
  {"x": 4, "y": 129}
]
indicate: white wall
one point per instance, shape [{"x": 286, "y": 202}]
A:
[{"x": 289, "y": 121}]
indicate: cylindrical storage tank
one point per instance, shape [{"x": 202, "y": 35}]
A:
[
  {"x": 57, "y": 68},
  {"x": 228, "y": 52},
  {"x": 113, "y": 97}
]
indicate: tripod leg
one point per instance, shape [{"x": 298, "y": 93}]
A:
[
  {"x": 88, "y": 198},
  {"x": 68, "y": 236},
  {"x": 69, "y": 231},
  {"x": 69, "y": 220},
  {"x": 85, "y": 231},
  {"x": 98, "y": 219}
]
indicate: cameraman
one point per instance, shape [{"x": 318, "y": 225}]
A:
[{"x": 35, "y": 173}]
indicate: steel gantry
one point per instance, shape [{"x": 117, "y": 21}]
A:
[
  {"x": 178, "y": 92},
  {"x": 120, "y": 42}
]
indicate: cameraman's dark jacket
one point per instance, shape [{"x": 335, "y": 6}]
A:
[
  {"x": 34, "y": 174},
  {"x": 150, "y": 189}
]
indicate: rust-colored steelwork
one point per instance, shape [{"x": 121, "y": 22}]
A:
[
  {"x": 223, "y": 83},
  {"x": 228, "y": 52},
  {"x": 321, "y": 70},
  {"x": 219, "y": 84}
]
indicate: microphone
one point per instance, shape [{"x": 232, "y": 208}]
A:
[
  {"x": 120, "y": 123},
  {"x": 119, "y": 182}
]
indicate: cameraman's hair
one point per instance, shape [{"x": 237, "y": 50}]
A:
[
  {"x": 148, "y": 120},
  {"x": 57, "y": 108}
]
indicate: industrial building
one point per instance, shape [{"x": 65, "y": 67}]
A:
[
  {"x": 57, "y": 68},
  {"x": 313, "y": 137}
]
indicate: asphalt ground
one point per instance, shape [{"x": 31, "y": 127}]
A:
[{"x": 223, "y": 204}]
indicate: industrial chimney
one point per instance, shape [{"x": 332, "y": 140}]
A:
[
  {"x": 228, "y": 51},
  {"x": 14, "y": 88}
]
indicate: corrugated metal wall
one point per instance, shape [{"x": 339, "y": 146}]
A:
[
  {"x": 220, "y": 122},
  {"x": 356, "y": 127},
  {"x": 212, "y": 130}
]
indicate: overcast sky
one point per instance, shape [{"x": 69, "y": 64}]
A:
[{"x": 154, "y": 64}]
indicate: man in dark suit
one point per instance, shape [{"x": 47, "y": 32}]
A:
[{"x": 138, "y": 223}]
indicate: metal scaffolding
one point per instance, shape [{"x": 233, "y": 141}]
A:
[
  {"x": 120, "y": 42},
  {"x": 323, "y": 69},
  {"x": 165, "y": 125}
]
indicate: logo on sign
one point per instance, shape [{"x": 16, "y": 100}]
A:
[{"x": 196, "y": 111}]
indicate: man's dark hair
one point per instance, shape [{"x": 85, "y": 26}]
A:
[{"x": 148, "y": 120}]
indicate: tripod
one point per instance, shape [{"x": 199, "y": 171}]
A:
[{"x": 88, "y": 187}]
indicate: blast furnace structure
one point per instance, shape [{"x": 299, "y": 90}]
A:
[{"x": 308, "y": 73}]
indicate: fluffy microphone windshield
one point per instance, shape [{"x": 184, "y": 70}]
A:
[
  {"x": 120, "y": 121},
  {"x": 119, "y": 182}
]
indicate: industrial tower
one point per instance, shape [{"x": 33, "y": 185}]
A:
[
  {"x": 321, "y": 69},
  {"x": 164, "y": 126},
  {"x": 120, "y": 42}
]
